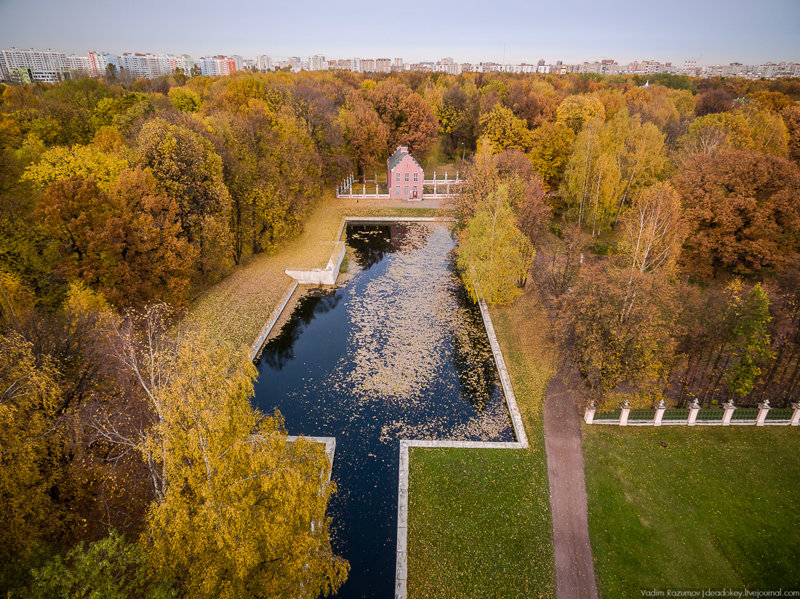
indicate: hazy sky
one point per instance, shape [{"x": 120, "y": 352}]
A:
[{"x": 709, "y": 31}]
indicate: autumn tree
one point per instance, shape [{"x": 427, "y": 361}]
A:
[
  {"x": 576, "y": 110},
  {"x": 718, "y": 131},
  {"x": 653, "y": 228},
  {"x": 609, "y": 162},
  {"x": 28, "y": 395},
  {"x": 457, "y": 116},
  {"x": 189, "y": 170},
  {"x": 791, "y": 116},
  {"x": 493, "y": 255},
  {"x": 714, "y": 101},
  {"x": 742, "y": 213},
  {"x": 365, "y": 133},
  {"x": 419, "y": 127},
  {"x": 126, "y": 243},
  {"x": 525, "y": 193},
  {"x": 239, "y": 510},
  {"x": 504, "y": 130},
  {"x": 59, "y": 163},
  {"x": 623, "y": 357},
  {"x": 551, "y": 148}
]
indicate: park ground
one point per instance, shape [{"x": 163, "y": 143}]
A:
[
  {"x": 711, "y": 507},
  {"x": 715, "y": 507}
]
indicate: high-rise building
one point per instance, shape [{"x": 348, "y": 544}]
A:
[
  {"x": 318, "y": 63},
  {"x": 264, "y": 63},
  {"x": 37, "y": 65}
]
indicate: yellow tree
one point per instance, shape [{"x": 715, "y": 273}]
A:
[
  {"x": 239, "y": 510},
  {"x": 504, "y": 130},
  {"x": 576, "y": 110},
  {"x": 552, "y": 145},
  {"x": 28, "y": 395},
  {"x": 494, "y": 256}
]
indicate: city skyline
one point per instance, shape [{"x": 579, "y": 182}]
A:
[{"x": 508, "y": 33}]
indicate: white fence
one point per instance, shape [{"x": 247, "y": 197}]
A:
[{"x": 727, "y": 415}]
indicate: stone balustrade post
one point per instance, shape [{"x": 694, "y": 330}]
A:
[
  {"x": 625, "y": 410},
  {"x": 659, "y": 417},
  {"x": 588, "y": 416},
  {"x": 728, "y": 415},
  {"x": 694, "y": 408},
  {"x": 763, "y": 410},
  {"x": 796, "y": 414}
]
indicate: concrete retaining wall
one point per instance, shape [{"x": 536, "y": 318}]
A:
[{"x": 276, "y": 313}]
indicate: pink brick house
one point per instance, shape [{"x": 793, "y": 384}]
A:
[{"x": 404, "y": 176}]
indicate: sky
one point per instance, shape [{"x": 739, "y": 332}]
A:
[{"x": 708, "y": 31}]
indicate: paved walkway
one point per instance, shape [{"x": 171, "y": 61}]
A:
[{"x": 562, "y": 438}]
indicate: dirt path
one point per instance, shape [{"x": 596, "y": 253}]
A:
[{"x": 562, "y": 438}]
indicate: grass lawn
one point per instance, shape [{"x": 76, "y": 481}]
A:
[
  {"x": 237, "y": 307},
  {"x": 479, "y": 519},
  {"x": 717, "y": 507}
]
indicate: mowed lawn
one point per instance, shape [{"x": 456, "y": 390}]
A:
[
  {"x": 717, "y": 507},
  {"x": 479, "y": 519},
  {"x": 236, "y": 308}
]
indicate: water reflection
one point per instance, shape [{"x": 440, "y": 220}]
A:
[
  {"x": 280, "y": 349},
  {"x": 399, "y": 352}
]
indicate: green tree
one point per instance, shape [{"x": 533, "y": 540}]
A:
[
  {"x": 750, "y": 342},
  {"x": 493, "y": 255},
  {"x": 110, "y": 567}
]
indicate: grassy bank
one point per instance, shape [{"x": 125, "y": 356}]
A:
[
  {"x": 236, "y": 308},
  {"x": 479, "y": 519},
  {"x": 716, "y": 507}
]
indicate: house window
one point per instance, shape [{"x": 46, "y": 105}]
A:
[
  {"x": 406, "y": 176},
  {"x": 416, "y": 177},
  {"x": 397, "y": 177},
  {"x": 406, "y": 191},
  {"x": 397, "y": 189}
]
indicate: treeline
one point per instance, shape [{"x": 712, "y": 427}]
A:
[
  {"x": 675, "y": 265},
  {"x": 663, "y": 221}
]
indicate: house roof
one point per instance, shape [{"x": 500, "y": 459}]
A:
[{"x": 400, "y": 153}]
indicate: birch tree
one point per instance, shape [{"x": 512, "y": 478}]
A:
[{"x": 494, "y": 256}]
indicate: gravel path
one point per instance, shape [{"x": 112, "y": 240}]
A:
[{"x": 562, "y": 437}]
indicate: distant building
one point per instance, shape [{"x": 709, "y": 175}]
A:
[
  {"x": 217, "y": 65},
  {"x": 33, "y": 65},
  {"x": 404, "y": 176},
  {"x": 318, "y": 63},
  {"x": 264, "y": 63}
]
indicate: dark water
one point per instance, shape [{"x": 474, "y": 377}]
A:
[{"x": 397, "y": 351}]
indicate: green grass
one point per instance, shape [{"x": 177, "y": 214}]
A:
[
  {"x": 479, "y": 519},
  {"x": 716, "y": 507}
]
